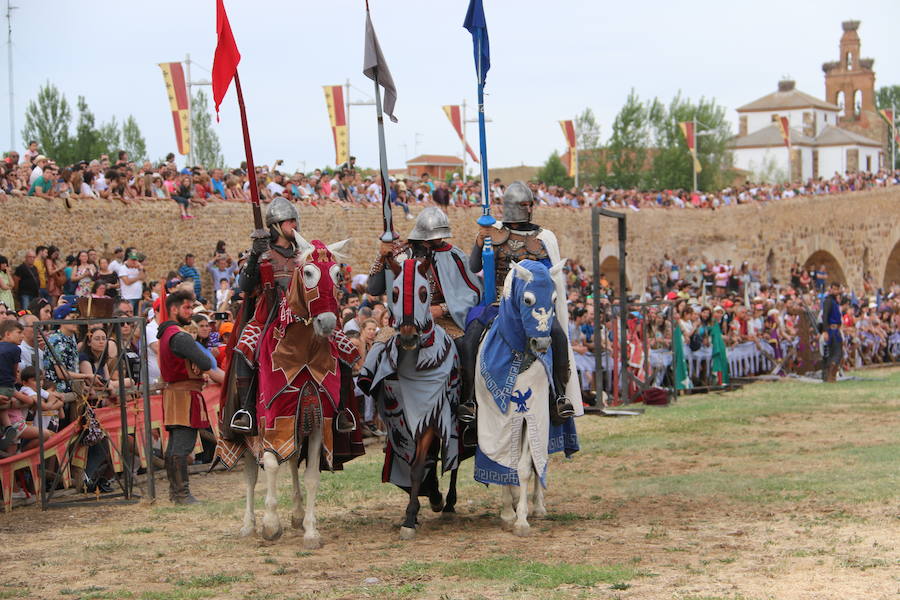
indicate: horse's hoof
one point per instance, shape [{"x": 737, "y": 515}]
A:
[
  {"x": 449, "y": 512},
  {"x": 312, "y": 543},
  {"x": 522, "y": 529},
  {"x": 437, "y": 506},
  {"x": 539, "y": 513},
  {"x": 248, "y": 530},
  {"x": 506, "y": 525},
  {"x": 407, "y": 533},
  {"x": 296, "y": 522},
  {"x": 271, "y": 534}
]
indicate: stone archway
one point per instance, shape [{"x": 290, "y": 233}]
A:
[
  {"x": 892, "y": 267},
  {"x": 609, "y": 267},
  {"x": 824, "y": 257}
]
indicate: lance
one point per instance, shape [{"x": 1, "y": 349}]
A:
[
  {"x": 387, "y": 216},
  {"x": 477, "y": 26},
  {"x": 251, "y": 170}
]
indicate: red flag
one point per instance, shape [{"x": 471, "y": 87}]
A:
[
  {"x": 568, "y": 129},
  {"x": 226, "y": 59},
  {"x": 454, "y": 113},
  {"x": 687, "y": 130}
]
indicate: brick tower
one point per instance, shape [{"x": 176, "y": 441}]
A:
[{"x": 850, "y": 83}]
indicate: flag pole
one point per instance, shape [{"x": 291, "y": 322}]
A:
[
  {"x": 893, "y": 135},
  {"x": 486, "y": 219},
  {"x": 389, "y": 234},
  {"x": 694, "y": 155},
  {"x": 251, "y": 170}
]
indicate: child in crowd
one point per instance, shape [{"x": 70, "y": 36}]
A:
[
  {"x": 10, "y": 355},
  {"x": 223, "y": 295},
  {"x": 25, "y": 399}
]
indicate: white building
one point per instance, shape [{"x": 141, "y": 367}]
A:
[{"x": 819, "y": 146}]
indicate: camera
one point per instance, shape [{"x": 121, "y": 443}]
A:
[{"x": 221, "y": 316}]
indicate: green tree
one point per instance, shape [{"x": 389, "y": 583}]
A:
[
  {"x": 132, "y": 141},
  {"x": 206, "y": 147},
  {"x": 47, "y": 120},
  {"x": 672, "y": 165},
  {"x": 628, "y": 143},
  {"x": 85, "y": 146},
  {"x": 554, "y": 172},
  {"x": 587, "y": 130},
  {"x": 889, "y": 97},
  {"x": 591, "y": 169}
]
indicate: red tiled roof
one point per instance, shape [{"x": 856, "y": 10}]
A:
[{"x": 435, "y": 160}]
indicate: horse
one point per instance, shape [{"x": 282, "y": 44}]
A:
[
  {"x": 303, "y": 374},
  {"x": 513, "y": 381},
  {"x": 414, "y": 378}
]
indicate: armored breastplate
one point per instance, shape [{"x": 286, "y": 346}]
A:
[
  {"x": 512, "y": 245},
  {"x": 282, "y": 266}
]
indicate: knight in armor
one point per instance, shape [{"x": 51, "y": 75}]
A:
[
  {"x": 264, "y": 281},
  {"x": 455, "y": 289},
  {"x": 516, "y": 239}
]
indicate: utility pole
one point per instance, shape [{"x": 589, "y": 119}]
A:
[
  {"x": 465, "y": 145},
  {"x": 9, "y": 59},
  {"x": 190, "y": 99},
  {"x": 693, "y": 158},
  {"x": 349, "y": 104}
]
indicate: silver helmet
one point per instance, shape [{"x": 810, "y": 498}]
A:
[
  {"x": 281, "y": 209},
  {"x": 432, "y": 224},
  {"x": 517, "y": 203}
]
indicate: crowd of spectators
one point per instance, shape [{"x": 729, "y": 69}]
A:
[
  {"x": 122, "y": 179},
  {"x": 760, "y": 318}
]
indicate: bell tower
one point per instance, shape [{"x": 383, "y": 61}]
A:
[{"x": 850, "y": 84}]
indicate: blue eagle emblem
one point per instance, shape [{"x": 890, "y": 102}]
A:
[{"x": 519, "y": 399}]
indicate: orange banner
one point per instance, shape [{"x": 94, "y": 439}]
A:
[
  {"x": 334, "y": 99},
  {"x": 179, "y": 103},
  {"x": 454, "y": 113},
  {"x": 785, "y": 128},
  {"x": 568, "y": 129},
  {"x": 687, "y": 130}
]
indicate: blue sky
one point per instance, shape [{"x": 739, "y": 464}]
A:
[{"x": 550, "y": 60}]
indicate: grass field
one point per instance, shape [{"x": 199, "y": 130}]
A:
[{"x": 779, "y": 490}]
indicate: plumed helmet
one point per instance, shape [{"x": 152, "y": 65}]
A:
[
  {"x": 281, "y": 209},
  {"x": 517, "y": 203},
  {"x": 432, "y": 224}
]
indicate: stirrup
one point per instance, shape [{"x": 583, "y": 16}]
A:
[
  {"x": 344, "y": 428},
  {"x": 564, "y": 408},
  {"x": 470, "y": 436},
  {"x": 465, "y": 412},
  {"x": 238, "y": 425}
]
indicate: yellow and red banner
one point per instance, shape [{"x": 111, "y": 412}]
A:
[
  {"x": 785, "y": 128},
  {"x": 176, "y": 88},
  {"x": 334, "y": 99},
  {"x": 888, "y": 115},
  {"x": 568, "y": 129},
  {"x": 687, "y": 130},
  {"x": 454, "y": 113}
]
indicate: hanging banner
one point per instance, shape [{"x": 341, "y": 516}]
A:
[
  {"x": 785, "y": 128},
  {"x": 568, "y": 128},
  {"x": 687, "y": 130},
  {"x": 454, "y": 113},
  {"x": 176, "y": 88},
  {"x": 334, "y": 99}
]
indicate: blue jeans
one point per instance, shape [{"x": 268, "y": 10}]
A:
[{"x": 24, "y": 301}]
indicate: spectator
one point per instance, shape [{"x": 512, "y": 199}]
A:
[
  {"x": 42, "y": 185},
  {"x": 10, "y": 338},
  {"x": 27, "y": 280},
  {"x": 188, "y": 272},
  {"x": 40, "y": 163},
  {"x": 83, "y": 274},
  {"x": 7, "y": 283},
  {"x": 131, "y": 280},
  {"x": 221, "y": 267}
]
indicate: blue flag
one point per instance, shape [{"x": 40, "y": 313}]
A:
[{"x": 477, "y": 26}]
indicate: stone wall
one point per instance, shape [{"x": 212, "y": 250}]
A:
[{"x": 858, "y": 231}]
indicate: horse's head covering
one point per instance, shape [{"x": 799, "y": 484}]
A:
[
  {"x": 526, "y": 306},
  {"x": 410, "y": 300},
  {"x": 315, "y": 287}
]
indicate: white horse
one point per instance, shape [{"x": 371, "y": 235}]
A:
[
  {"x": 303, "y": 362},
  {"x": 513, "y": 391}
]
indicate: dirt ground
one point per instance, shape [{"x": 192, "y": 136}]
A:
[{"x": 779, "y": 490}]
